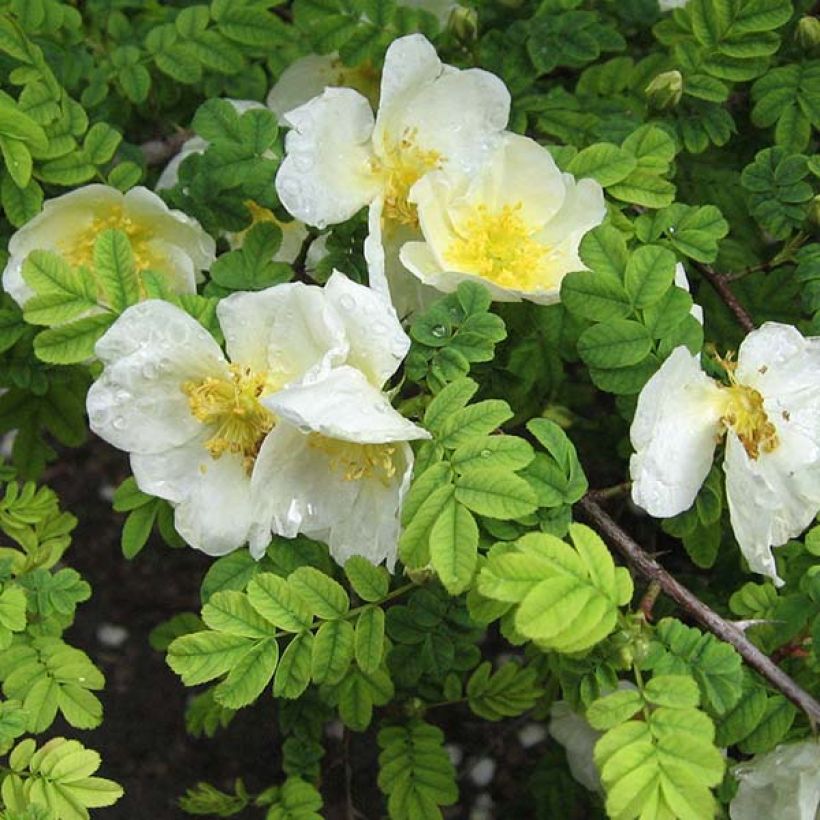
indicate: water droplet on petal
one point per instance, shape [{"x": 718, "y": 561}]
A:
[
  {"x": 118, "y": 423},
  {"x": 347, "y": 302}
]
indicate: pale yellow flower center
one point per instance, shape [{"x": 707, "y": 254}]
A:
[
  {"x": 498, "y": 246},
  {"x": 403, "y": 165},
  {"x": 746, "y": 417},
  {"x": 232, "y": 407},
  {"x": 357, "y": 461},
  {"x": 79, "y": 250}
]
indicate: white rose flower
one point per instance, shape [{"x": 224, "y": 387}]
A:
[
  {"x": 163, "y": 240},
  {"x": 782, "y": 784},
  {"x": 294, "y": 232},
  {"x": 515, "y": 226},
  {"x": 340, "y": 159},
  {"x": 681, "y": 281},
  {"x": 769, "y": 415},
  {"x": 578, "y": 738},
  {"x": 197, "y": 424},
  {"x": 337, "y": 465}
]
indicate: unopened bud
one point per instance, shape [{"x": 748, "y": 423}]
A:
[
  {"x": 464, "y": 24},
  {"x": 665, "y": 90},
  {"x": 808, "y": 34}
]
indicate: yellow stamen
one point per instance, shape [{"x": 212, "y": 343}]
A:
[
  {"x": 357, "y": 461},
  {"x": 745, "y": 414},
  {"x": 79, "y": 250},
  {"x": 232, "y": 407},
  {"x": 403, "y": 165},
  {"x": 498, "y": 246}
]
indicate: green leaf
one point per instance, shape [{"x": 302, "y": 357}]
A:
[
  {"x": 101, "y": 142},
  {"x": 511, "y": 691},
  {"x": 325, "y": 597},
  {"x": 451, "y": 399},
  {"x": 233, "y": 571},
  {"x": 454, "y": 546},
  {"x": 293, "y": 672},
  {"x": 415, "y": 771},
  {"x": 476, "y": 420},
  {"x": 617, "y": 343},
  {"x": 591, "y": 295},
  {"x": 614, "y": 709},
  {"x": 674, "y": 691},
  {"x": 137, "y": 529},
  {"x": 114, "y": 265},
  {"x": 742, "y": 718},
  {"x": 20, "y": 204},
  {"x": 603, "y": 251},
  {"x": 71, "y": 343},
  {"x": 333, "y": 650},
  {"x": 772, "y": 728},
  {"x": 715, "y": 666},
  {"x": 494, "y": 493},
  {"x": 369, "y": 638},
  {"x": 493, "y": 452},
  {"x": 271, "y": 596},
  {"x": 18, "y": 160},
  {"x": 202, "y": 656},
  {"x": 649, "y": 274},
  {"x": 230, "y": 611},
  {"x": 369, "y": 582},
  {"x": 249, "y": 676},
  {"x": 13, "y": 609},
  {"x": 604, "y": 162}
]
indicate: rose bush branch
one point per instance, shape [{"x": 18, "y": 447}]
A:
[{"x": 703, "y": 614}]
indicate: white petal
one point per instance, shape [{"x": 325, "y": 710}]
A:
[
  {"x": 771, "y": 498},
  {"x": 172, "y": 226},
  {"x": 289, "y": 331},
  {"x": 410, "y": 63},
  {"x": 138, "y": 404},
  {"x": 344, "y": 406},
  {"x": 520, "y": 174},
  {"x": 378, "y": 343},
  {"x": 326, "y": 175},
  {"x": 214, "y": 507},
  {"x": 578, "y": 738},
  {"x": 777, "y": 359},
  {"x": 674, "y": 434},
  {"x": 61, "y": 219},
  {"x": 463, "y": 142},
  {"x": 179, "y": 274},
  {"x": 582, "y": 210},
  {"x": 683, "y": 283},
  {"x": 301, "y": 81},
  {"x": 294, "y": 234},
  {"x": 302, "y": 491}
]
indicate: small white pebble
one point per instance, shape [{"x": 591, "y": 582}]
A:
[
  {"x": 111, "y": 635},
  {"x": 482, "y": 808},
  {"x": 106, "y": 492},
  {"x": 532, "y": 734},
  {"x": 483, "y": 771},
  {"x": 335, "y": 729},
  {"x": 455, "y": 753}
]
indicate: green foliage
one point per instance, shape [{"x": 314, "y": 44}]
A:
[
  {"x": 451, "y": 335},
  {"x": 663, "y": 764},
  {"x": 59, "y": 777},
  {"x": 415, "y": 771},
  {"x": 565, "y": 599}
]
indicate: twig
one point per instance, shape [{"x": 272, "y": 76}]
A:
[
  {"x": 707, "y": 617},
  {"x": 720, "y": 283},
  {"x": 161, "y": 150},
  {"x": 615, "y": 491}
]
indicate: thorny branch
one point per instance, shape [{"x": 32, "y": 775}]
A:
[
  {"x": 703, "y": 614},
  {"x": 720, "y": 283}
]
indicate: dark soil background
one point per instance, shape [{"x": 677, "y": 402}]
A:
[{"x": 143, "y": 740}]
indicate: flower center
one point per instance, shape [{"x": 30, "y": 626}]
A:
[
  {"x": 232, "y": 407},
  {"x": 746, "y": 416},
  {"x": 79, "y": 251},
  {"x": 403, "y": 165},
  {"x": 498, "y": 246},
  {"x": 357, "y": 461}
]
